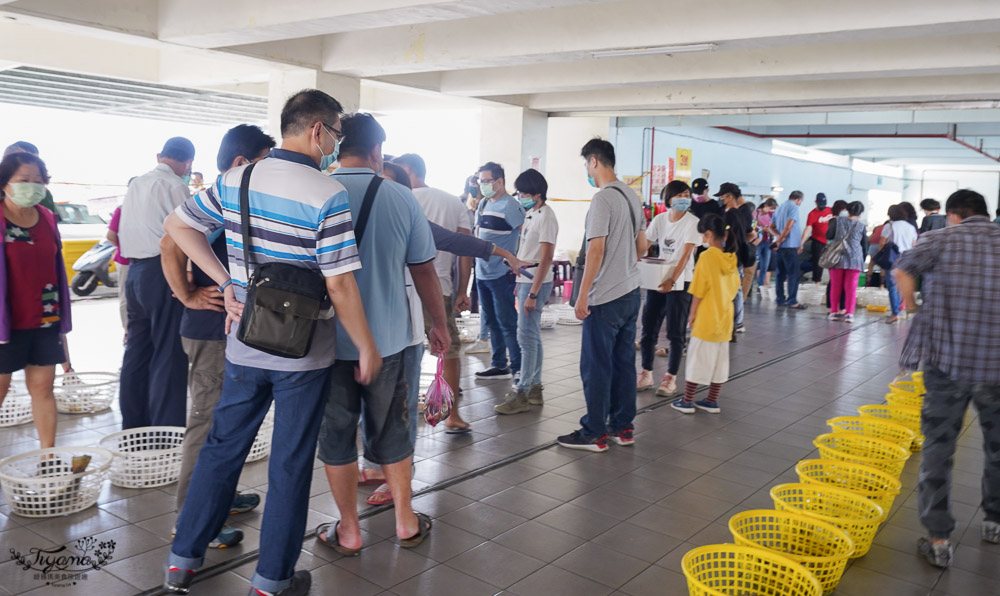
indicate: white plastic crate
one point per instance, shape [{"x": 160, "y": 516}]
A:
[
  {"x": 16, "y": 409},
  {"x": 261, "y": 447},
  {"x": 41, "y": 483},
  {"x": 85, "y": 392},
  {"x": 145, "y": 457}
]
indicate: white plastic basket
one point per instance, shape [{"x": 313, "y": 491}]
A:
[
  {"x": 468, "y": 327},
  {"x": 87, "y": 393},
  {"x": 261, "y": 447},
  {"x": 16, "y": 409},
  {"x": 145, "y": 457},
  {"x": 549, "y": 319},
  {"x": 41, "y": 483}
]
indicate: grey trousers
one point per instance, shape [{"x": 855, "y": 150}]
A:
[
  {"x": 941, "y": 422},
  {"x": 208, "y": 368}
]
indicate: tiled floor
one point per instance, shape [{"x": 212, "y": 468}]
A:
[{"x": 557, "y": 521}]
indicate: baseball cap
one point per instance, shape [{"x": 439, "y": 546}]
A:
[
  {"x": 178, "y": 148},
  {"x": 729, "y": 188},
  {"x": 820, "y": 200},
  {"x": 699, "y": 185}
]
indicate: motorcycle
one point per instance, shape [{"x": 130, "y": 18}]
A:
[{"x": 94, "y": 268}]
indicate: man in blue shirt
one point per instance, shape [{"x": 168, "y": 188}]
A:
[
  {"x": 396, "y": 237},
  {"x": 786, "y": 227},
  {"x": 498, "y": 220}
]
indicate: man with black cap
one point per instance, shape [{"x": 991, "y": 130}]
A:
[
  {"x": 816, "y": 225},
  {"x": 153, "y": 388},
  {"x": 702, "y": 204},
  {"x": 739, "y": 218}
]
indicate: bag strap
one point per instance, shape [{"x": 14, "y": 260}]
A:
[
  {"x": 631, "y": 213},
  {"x": 245, "y": 216},
  {"x": 366, "y": 209}
]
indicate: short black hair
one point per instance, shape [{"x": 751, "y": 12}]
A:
[
  {"x": 399, "y": 175},
  {"x": 13, "y": 162},
  {"x": 672, "y": 189},
  {"x": 896, "y": 213},
  {"x": 532, "y": 182},
  {"x": 307, "y": 107},
  {"x": 795, "y": 195},
  {"x": 178, "y": 149},
  {"x": 495, "y": 170},
  {"x": 910, "y": 210},
  {"x": 245, "y": 140},
  {"x": 601, "y": 149},
  {"x": 770, "y": 203},
  {"x": 21, "y": 146},
  {"x": 838, "y": 206},
  {"x": 414, "y": 162},
  {"x": 714, "y": 223},
  {"x": 930, "y": 205},
  {"x": 362, "y": 133},
  {"x": 855, "y": 208},
  {"x": 966, "y": 203}
]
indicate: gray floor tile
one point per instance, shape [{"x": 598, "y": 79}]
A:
[
  {"x": 96, "y": 582},
  {"x": 144, "y": 571},
  {"x": 483, "y": 520},
  {"x": 656, "y": 580},
  {"x": 446, "y": 542},
  {"x": 557, "y": 486},
  {"x": 386, "y": 564},
  {"x": 602, "y": 565},
  {"x": 496, "y": 564},
  {"x": 669, "y": 522},
  {"x": 519, "y": 501},
  {"x": 539, "y": 541},
  {"x": 612, "y": 503},
  {"x": 77, "y": 525},
  {"x": 142, "y": 507},
  {"x": 333, "y": 579},
  {"x": 632, "y": 540},
  {"x": 578, "y": 521},
  {"x": 444, "y": 580},
  {"x": 553, "y": 581}
]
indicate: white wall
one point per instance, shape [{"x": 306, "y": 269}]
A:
[{"x": 939, "y": 182}]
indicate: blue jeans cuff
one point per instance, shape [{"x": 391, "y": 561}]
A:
[
  {"x": 269, "y": 585},
  {"x": 175, "y": 560}
]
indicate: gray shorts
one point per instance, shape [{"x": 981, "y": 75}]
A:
[{"x": 381, "y": 408}]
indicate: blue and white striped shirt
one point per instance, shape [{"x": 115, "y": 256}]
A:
[{"x": 298, "y": 216}]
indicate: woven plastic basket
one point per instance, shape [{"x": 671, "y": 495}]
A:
[
  {"x": 866, "y": 481},
  {"x": 41, "y": 483},
  {"x": 549, "y": 319},
  {"x": 820, "y": 547},
  {"x": 873, "y": 427},
  {"x": 870, "y": 451},
  {"x": 908, "y": 387},
  {"x": 852, "y": 513},
  {"x": 145, "y": 457},
  {"x": 93, "y": 393},
  {"x": 16, "y": 409},
  {"x": 261, "y": 447},
  {"x": 730, "y": 569},
  {"x": 902, "y": 415},
  {"x": 901, "y": 398}
]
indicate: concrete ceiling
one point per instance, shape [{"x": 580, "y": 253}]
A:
[{"x": 780, "y": 58}]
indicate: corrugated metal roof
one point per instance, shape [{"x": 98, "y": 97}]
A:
[{"x": 86, "y": 93}]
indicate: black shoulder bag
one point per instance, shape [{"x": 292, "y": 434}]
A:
[
  {"x": 581, "y": 258},
  {"x": 283, "y": 302}
]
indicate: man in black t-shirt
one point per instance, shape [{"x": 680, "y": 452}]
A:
[{"x": 739, "y": 219}]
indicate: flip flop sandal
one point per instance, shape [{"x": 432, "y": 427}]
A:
[
  {"x": 798, "y": 307},
  {"x": 458, "y": 431},
  {"x": 364, "y": 480},
  {"x": 661, "y": 352},
  {"x": 381, "y": 496},
  {"x": 333, "y": 541},
  {"x": 425, "y": 528}
]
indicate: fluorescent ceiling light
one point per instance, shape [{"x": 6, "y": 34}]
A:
[
  {"x": 655, "y": 51},
  {"x": 875, "y": 169},
  {"x": 794, "y": 151}
]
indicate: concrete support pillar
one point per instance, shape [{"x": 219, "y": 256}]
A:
[
  {"x": 515, "y": 138},
  {"x": 284, "y": 83}
]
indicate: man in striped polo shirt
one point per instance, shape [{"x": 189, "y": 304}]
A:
[{"x": 299, "y": 216}]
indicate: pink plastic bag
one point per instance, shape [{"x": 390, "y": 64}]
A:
[{"x": 438, "y": 401}]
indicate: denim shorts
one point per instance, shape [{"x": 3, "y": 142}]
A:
[
  {"x": 381, "y": 408},
  {"x": 31, "y": 347}
]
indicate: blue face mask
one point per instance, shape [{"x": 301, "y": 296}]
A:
[
  {"x": 590, "y": 180},
  {"x": 187, "y": 179},
  {"x": 842, "y": 213},
  {"x": 527, "y": 201},
  {"x": 680, "y": 204},
  {"x": 329, "y": 160}
]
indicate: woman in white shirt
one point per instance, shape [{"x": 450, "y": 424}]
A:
[
  {"x": 537, "y": 247},
  {"x": 675, "y": 231},
  {"x": 903, "y": 234}
]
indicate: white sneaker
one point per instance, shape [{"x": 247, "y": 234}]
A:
[
  {"x": 645, "y": 381},
  {"x": 480, "y": 346},
  {"x": 668, "y": 387}
]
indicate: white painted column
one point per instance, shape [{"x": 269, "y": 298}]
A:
[
  {"x": 284, "y": 83},
  {"x": 515, "y": 138}
]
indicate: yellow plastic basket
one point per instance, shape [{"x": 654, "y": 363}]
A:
[
  {"x": 866, "y": 481},
  {"x": 902, "y": 398},
  {"x": 902, "y": 415},
  {"x": 820, "y": 547},
  {"x": 852, "y": 513},
  {"x": 911, "y": 387},
  {"x": 730, "y": 569},
  {"x": 870, "y": 451},
  {"x": 873, "y": 427}
]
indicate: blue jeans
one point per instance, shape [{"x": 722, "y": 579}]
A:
[
  {"x": 529, "y": 335},
  {"x": 894, "y": 298},
  {"x": 738, "y": 302},
  {"x": 788, "y": 268},
  {"x": 412, "y": 356},
  {"x": 247, "y": 394},
  {"x": 496, "y": 301},
  {"x": 607, "y": 366},
  {"x": 763, "y": 261}
]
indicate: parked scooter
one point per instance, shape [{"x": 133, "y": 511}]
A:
[{"x": 93, "y": 269}]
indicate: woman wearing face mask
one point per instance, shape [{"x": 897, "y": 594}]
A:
[
  {"x": 762, "y": 218},
  {"x": 676, "y": 233},
  {"x": 34, "y": 295}
]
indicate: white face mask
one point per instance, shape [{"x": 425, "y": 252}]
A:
[{"x": 26, "y": 194}]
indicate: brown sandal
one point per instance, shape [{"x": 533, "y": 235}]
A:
[
  {"x": 333, "y": 541},
  {"x": 414, "y": 541}
]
